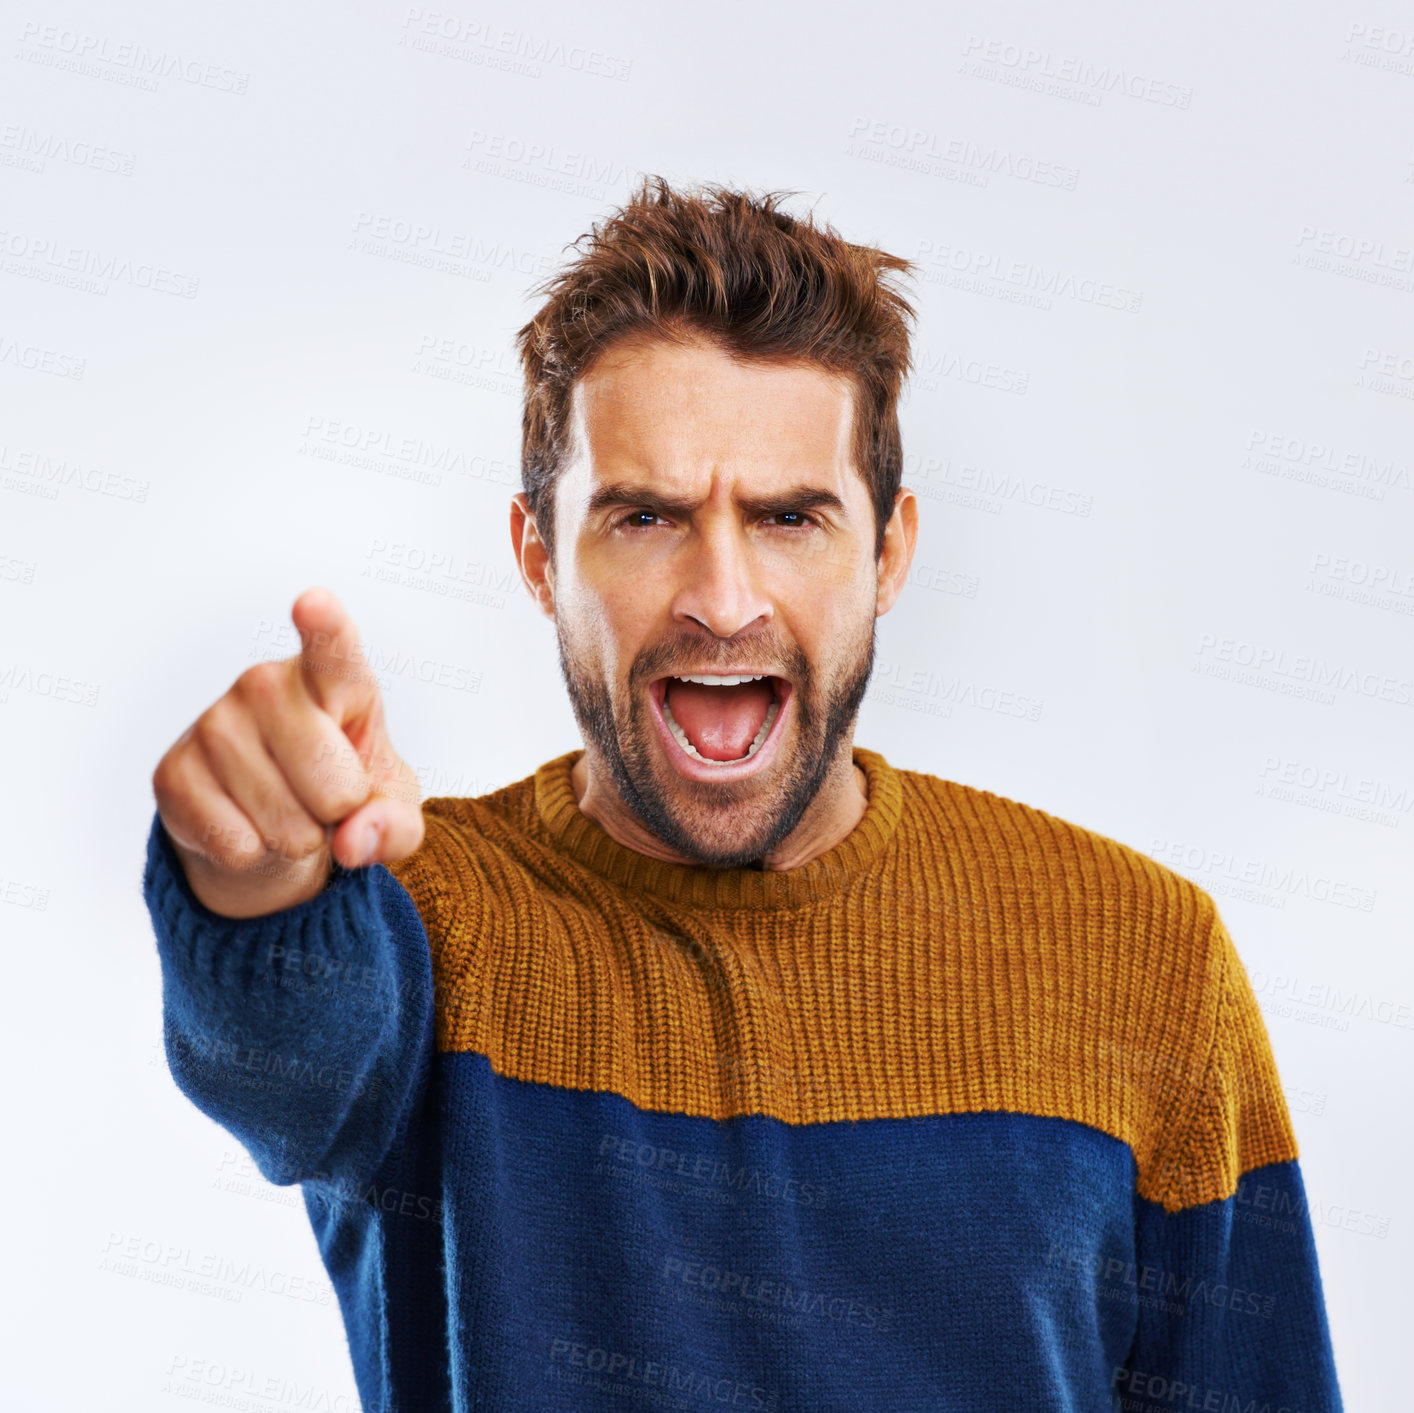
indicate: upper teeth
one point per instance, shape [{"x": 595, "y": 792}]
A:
[{"x": 722, "y": 681}]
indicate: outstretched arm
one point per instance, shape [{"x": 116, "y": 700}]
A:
[
  {"x": 297, "y": 998},
  {"x": 307, "y": 1032}
]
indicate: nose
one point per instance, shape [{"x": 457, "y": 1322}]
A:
[{"x": 721, "y": 585}]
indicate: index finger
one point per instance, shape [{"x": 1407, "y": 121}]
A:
[{"x": 333, "y": 668}]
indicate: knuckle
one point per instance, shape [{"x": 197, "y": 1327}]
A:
[
  {"x": 281, "y": 820},
  {"x": 234, "y": 847},
  {"x": 305, "y": 839},
  {"x": 294, "y": 835},
  {"x": 172, "y": 781},
  {"x": 165, "y": 778},
  {"x": 262, "y": 683},
  {"x": 335, "y": 801},
  {"x": 337, "y": 785},
  {"x": 214, "y": 726},
  {"x": 241, "y": 856}
]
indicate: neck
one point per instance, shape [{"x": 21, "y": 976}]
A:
[{"x": 832, "y": 815}]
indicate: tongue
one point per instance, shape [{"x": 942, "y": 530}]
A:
[{"x": 721, "y": 722}]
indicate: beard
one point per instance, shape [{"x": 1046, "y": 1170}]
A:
[{"x": 734, "y": 824}]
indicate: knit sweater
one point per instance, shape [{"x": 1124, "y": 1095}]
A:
[{"x": 975, "y": 1110}]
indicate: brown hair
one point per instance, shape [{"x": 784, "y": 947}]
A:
[{"x": 761, "y": 284}]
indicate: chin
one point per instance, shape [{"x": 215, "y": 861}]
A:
[
  {"x": 719, "y": 824},
  {"x": 734, "y": 843}
]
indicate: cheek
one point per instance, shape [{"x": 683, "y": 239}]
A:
[
  {"x": 835, "y": 633},
  {"x": 625, "y": 603},
  {"x": 830, "y": 577},
  {"x": 619, "y": 617},
  {"x": 604, "y": 630},
  {"x": 822, "y": 601}
]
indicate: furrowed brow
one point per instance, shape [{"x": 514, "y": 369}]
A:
[
  {"x": 796, "y": 498},
  {"x": 628, "y": 493}
]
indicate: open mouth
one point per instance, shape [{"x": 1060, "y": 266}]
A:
[{"x": 716, "y": 723}]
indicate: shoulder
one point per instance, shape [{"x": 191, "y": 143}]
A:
[
  {"x": 1070, "y": 866},
  {"x": 1128, "y": 970}
]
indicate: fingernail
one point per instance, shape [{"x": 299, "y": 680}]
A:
[{"x": 370, "y": 838}]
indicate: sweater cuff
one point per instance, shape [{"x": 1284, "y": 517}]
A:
[{"x": 339, "y": 921}]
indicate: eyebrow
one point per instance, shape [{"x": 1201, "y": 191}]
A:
[{"x": 629, "y": 493}]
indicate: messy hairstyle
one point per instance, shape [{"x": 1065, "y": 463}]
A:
[{"x": 762, "y": 285}]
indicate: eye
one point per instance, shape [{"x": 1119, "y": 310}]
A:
[
  {"x": 624, "y": 521},
  {"x": 800, "y": 515}
]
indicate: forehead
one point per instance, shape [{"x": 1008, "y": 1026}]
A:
[{"x": 690, "y": 407}]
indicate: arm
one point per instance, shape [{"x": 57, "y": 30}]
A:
[
  {"x": 1232, "y": 1312},
  {"x": 306, "y": 1032},
  {"x": 297, "y": 1005}
]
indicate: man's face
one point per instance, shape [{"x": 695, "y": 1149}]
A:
[{"x": 711, "y": 523}]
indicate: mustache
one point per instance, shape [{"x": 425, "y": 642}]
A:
[{"x": 685, "y": 653}]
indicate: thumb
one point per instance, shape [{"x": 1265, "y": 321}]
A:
[{"x": 388, "y": 825}]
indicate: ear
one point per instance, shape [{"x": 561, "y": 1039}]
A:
[
  {"x": 900, "y": 538},
  {"x": 532, "y": 558}
]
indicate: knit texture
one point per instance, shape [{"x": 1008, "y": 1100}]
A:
[
  {"x": 989, "y": 956},
  {"x": 975, "y": 1110}
]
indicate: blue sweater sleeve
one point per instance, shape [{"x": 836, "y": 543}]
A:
[
  {"x": 305, "y": 1033},
  {"x": 1231, "y": 1310}
]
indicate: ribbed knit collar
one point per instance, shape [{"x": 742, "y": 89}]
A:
[{"x": 580, "y": 837}]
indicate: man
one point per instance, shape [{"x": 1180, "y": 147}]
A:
[{"x": 723, "y": 1062}]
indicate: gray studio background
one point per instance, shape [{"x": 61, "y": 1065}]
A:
[{"x": 259, "y": 275}]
